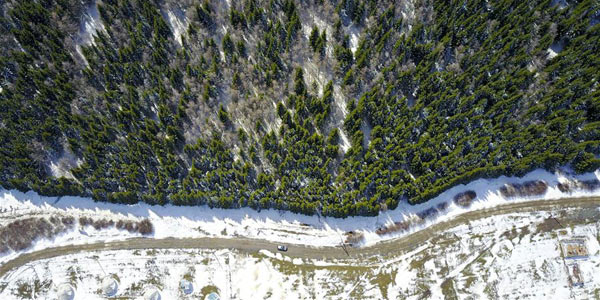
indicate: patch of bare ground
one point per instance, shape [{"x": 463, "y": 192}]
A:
[
  {"x": 420, "y": 217},
  {"x": 398, "y": 226},
  {"x": 548, "y": 225}
]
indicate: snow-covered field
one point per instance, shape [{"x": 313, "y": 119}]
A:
[
  {"x": 502, "y": 257},
  {"x": 271, "y": 225},
  {"x": 509, "y": 256}
]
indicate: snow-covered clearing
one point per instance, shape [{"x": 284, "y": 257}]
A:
[
  {"x": 345, "y": 142},
  {"x": 230, "y": 274},
  {"x": 510, "y": 256},
  {"x": 271, "y": 225}
]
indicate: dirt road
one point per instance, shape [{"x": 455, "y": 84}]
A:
[{"x": 385, "y": 249}]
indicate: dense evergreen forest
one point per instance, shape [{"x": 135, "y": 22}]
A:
[{"x": 336, "y": 107}]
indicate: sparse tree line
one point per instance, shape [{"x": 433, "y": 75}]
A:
[{"x": 232, "y": 118}]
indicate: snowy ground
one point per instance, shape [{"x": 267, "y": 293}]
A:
[
  {"x": 90, "y": 26},
  {"x": 177, "y": 22},
  {"x": 271, "y": 225},
  {"x": 502, "y": 257},
  {"x": 555, "y": 49}
]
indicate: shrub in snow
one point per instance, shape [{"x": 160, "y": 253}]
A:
[
  {"x": 464, "y": 199},
  {"x": 528, "y": 188}
]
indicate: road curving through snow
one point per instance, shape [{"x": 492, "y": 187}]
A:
[{"x": 386, "y": 249}]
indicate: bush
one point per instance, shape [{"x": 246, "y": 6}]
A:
[
  {"x": 85, "y": 221},
  {"x": 20, "y": 234},
  {"x": 529, "y": 188},
  {"x": 464, "y": 199},
  {"x": 145, "y": 227}
]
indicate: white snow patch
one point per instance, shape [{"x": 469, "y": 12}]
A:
[
  {"x": 177, "y": 21},
  {"x": 91, "y": 25},
  {"x": 561, "y": 3},
  {"x": 354, "y": 35},
  {"x": 340, "y": 102},
  {"x": 61, "y": 166},
  {"x": 345, "y": 142},
  {"x": 366, "y": 130},
  {"x": 554, "y": 49},
  {"x": 407, "y": 9},
  {"x": 57, "y": 171},
  {"x": 313, "y": 73}
]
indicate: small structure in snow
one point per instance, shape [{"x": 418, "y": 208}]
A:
[
  {"x": 152, "y": 294},
  {"x": 109, "y": 286},
  {"x": 65, "y": 292},
  {"x": 212, "y": 296},
  {"x": 574, "y": 248},
  {"x": 186, "y": 287},
  {"x": 575, "y": 276}
]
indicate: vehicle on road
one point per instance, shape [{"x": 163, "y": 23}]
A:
[{"x": 282, "y": 248}]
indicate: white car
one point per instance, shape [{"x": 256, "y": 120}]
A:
[{"x": 282, "y": 248}]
